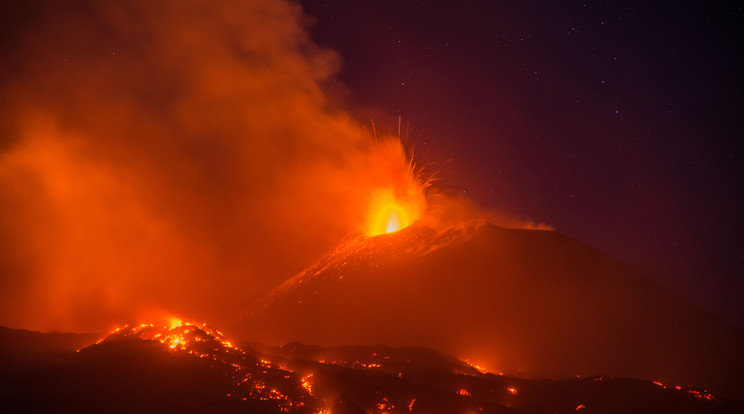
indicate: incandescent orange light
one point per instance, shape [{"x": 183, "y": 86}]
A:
[
  {"x": 397, "y": 192},
  {"x": 391, "y": 218},
  {"x": 393, "y": 222},
  {"x": 388, "y": 214}
]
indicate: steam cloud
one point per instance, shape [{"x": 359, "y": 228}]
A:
[{"x": 169, "y": 157}]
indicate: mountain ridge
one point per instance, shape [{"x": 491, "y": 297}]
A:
[
  {"x": 533, "y": 303},
  {"x": 193, "y": 368}
]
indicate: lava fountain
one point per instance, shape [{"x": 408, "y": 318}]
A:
[{"x": 397, "y": 188}]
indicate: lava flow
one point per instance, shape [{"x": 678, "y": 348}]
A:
[
  {"x": 253, "y": 379},
  {"x": 297, "y": 378}
]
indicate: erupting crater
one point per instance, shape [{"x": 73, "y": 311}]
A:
[
  {"x": 391, "y": 217},
  {"x": 397, "y": 189}
]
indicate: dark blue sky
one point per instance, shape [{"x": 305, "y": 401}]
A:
[{"x": 618, "y": 123}]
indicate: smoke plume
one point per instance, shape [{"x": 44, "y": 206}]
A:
[
  {"x": 165, "y": 157},
  {"x": 174, "y": 158}
]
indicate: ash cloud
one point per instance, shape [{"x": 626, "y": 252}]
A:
[
  {"x": 175, "y": 156},
  {"x": 166, "y": 158}
]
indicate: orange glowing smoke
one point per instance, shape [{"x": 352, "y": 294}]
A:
[{"x": 160, "y": 158}]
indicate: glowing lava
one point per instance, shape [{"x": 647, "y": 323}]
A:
[
  {"x": 301, "y": 379},
  {"x": 397, "y": 189},
  {"x": 393, "y": 223},
  {"x": 391, "y": 217}
]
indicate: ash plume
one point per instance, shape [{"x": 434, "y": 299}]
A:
[{"x": 174, "y": 156}]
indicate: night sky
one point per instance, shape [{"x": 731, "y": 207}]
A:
[{"x": 617, "y": 123}]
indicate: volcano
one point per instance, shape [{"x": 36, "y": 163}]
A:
[{"x": 530, "y": 303}]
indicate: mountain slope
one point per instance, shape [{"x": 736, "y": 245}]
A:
[
  {"x": 524, "y": 302},
  {"x": 189, "y": 368}
]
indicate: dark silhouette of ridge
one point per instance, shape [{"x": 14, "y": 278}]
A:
[
  {"x": 524, "y": 302},
  {"x": 194, "y": 369}
]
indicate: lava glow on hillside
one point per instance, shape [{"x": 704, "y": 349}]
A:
[
  {"x": 302, "y": 379},
  {"x": 253, "y": 378}
]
